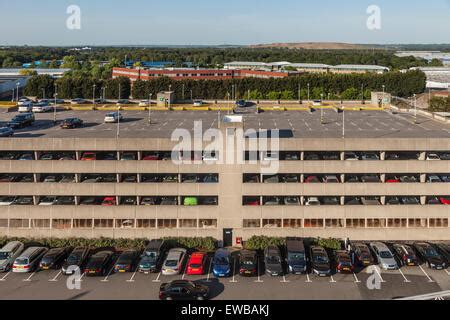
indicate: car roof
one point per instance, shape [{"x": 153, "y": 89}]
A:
[
  {"x": 10, "y": 245},
  {"x": 222, "y": 252}
]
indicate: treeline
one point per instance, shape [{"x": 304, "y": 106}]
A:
[
  {"x": 210, "y": 56},
  {"x": 332, "y": 86},
  {"x": 440, "y": 104}
]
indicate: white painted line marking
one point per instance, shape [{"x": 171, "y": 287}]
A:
[
  {"x": 377, "y": 270},
  {"x": 157, "y": 278},
  {"x": 233, "y": 271},
  {"x": 81, "y": 278},
  {"x": 429, "y": 279},
  {"x": 209, "y": 271},
  {"x": 259, "y": 276},
  {"x": 448, "y": 273},
  {"x": 356, "y": 278},
  {"x": 284, "y": 279},
  {"x": 4, "y": 277},
  {"x": 106, "y": 278},
  {"x": 29, "y": 278},
  {"x": 185, "y": 269},
  {"x": 132, "y": 277},
  {"x": 332, "y": 279},
  {"x": 307, "y": 278},
  {"x": 54, "y": 279},
  {"x": 401, "y": 272}
]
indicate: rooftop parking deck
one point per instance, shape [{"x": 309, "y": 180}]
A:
[{"x": 297, "y": 124}]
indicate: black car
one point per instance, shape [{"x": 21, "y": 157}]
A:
[
  {"x": 430, "y": 256},
  {"x": 127, "y": 261},
  {"x": 23, "y": 201},
  {"x": 71, "y": 123},
  {"x": 320, "y": 263},
  {"x": 54, "y": 258},
  {"x": 6, "y": 132},
  {"x": 273, "y": 262},
  {"x": 361, "y": 254},
  {"x": 248, "y": 263},
  {"x": 183, "y": 290},
  {"x": 21, "y": 120},
  {"x": 99, "y": 263},
  {"x": 444, "y": 250},
  {"x": 78, "y": 258},
  {"x": 405, "y": 255}
]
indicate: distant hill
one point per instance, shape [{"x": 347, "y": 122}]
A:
[{"x": 314, "y": 46}]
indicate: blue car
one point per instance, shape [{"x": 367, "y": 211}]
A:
[{"x": 222, "y": 263}]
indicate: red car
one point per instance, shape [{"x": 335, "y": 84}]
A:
[
  {"x": 109, "y": 201},
  {"x": 153, "y": 157},
  {"x": 393, "y": 180},
  {"x": 343, "y": 261},
  {"x": 88, "y": 156},
  {"x": 445, "y": 200},
  {"x": 311, "y": 179},
  {"x": 196, "y": 264}
]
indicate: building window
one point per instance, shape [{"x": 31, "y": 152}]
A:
[
  {"x": 103, "y": 223},
  {"x": 334, "y": 223},
  {"x": 40, "y": 223},
  {"x": 145, "y": 223},
  {"x": 167, "y": 223},
  {"x": 124, "y": 223},
  {"x": 82, "y": 223},
  {"x": 376, "y": 223},
  {"x": 397, "y": 223},
  {"x": 19, "y": 223},
  {"x": 3, "y": 223},
  {"x": 188, "y": 223},
  {"x": 271, "y": 223},
  {"x": 313, "y": 223},
  {"x": 292, "y": 223},
  {"x": 355, "y": 223},
  {"x": 417, "y": 223},
  {"x": 251, "y": 223},
  {"x": 438, "y": 223},
  {"x": 207, "y": 223},
  {"x": 61, "y": 223}
]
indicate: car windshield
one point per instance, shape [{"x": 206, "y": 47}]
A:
[
  {"x": 221, "y": 261},
  {"x": 430, "y": 252},
  {"x": 196, "y": 265},
  {"x": 273, "y": 259},
  {"x": 385, "y": 254},
  {"x": 21, "y": 261},
  {"x": 171, "y": 263},
  {"x": 296, "y": 256},
  {"x": 320, "y": 259},
  {"x": 73, "y": 259},
  {"x": 4, "y": 255}
]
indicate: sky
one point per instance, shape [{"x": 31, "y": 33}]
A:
[{"x": 216, "y": 22}]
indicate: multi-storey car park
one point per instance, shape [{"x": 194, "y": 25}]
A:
[{"x": 383, "y": 177}]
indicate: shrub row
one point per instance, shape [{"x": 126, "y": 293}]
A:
[{"x": 261, "y": 242}]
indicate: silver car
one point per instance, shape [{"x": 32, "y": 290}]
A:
[
  {"x": 174, "y": 262},
  {"x": 8, "y": 254},
  {"x": 384, "y": 256}
]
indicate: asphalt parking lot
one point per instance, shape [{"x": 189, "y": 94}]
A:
[
  {"x": 408, "y": 281},
  {"x": 358, "y": 124}
]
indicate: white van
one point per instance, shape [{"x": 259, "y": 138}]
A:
[{"x": 8, "y": 254}]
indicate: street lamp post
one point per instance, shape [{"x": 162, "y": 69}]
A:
[
  {"x": 415, "y": 109},
  {"x": 362, "y": 94},
  {"x": 182, "y": 91},
  {"x": 382, "y": 101},
  {"x": 321, "y": 108},
  {"x": 118, "y": 122},
  {"x": 43, "y": 93},
  {"x": 191, "y": 96},
  {"x": 308, "y": 91},
  {"x": 228, "y": 102},
  {"x": 93, "y": 95},
  {"x": 17, "y": 93},
  {"x": 149, "y": 108},
  {"x": 54, "y": 105},
  {"x": 299, "y": 93}
]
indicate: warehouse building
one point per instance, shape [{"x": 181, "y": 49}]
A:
[{"x": 383, "y": 177}]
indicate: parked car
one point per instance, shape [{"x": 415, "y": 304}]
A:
[
  {"x": 77, "y": 101},
  {"x": 88, "y": 156},
  {"x": 370, "y": 201},
  {"x": 25, "y": 107},
  {"x": 372, "y": 178},
  {"x": 408, "y": 179},
  {"x": 320, "y": 263},
  {"x": 183, "y": 290},
  {"x": 248, "y": 263},
  {"x": 272, "y": 261},
  {"x": 405, "y": 255},
  {"x": 99, "y": 263},
  {"x": 173, "y": 264},
  {"x": 152, "y": 257},
  {"x": 7, "y": 201},
  {"x": 433, "y": 157},
  {"x": 221, "y": 264},
  {"x": 433, "y": 179},
  {"x": 430, "y": 256},
  {"x": 28, "y": 261},
  {"x": 78, "y": 257},
  {"x": 21, "y": 121},
  {"x": 127, "y": 261},
  {"x": 41, "y": 107},
  {"x": 8, "y": 254},
  {"x": 342, "y": 261},
  {"x": 312, "y": 201},
  {"x": 113, "y": 117},
  {"x": 23, "y": 101},
  {"x": 71, "y": 123},
  {"x": 190, "y": 201},
  {"x": 122, "y": 101},
  {"x": 54, "y": 258},
  {"x": 295, "y": 256},
  {"x": 350, "y": 156},
  {"x": 198, "y": 103},
  {"x": 409, "y": 200},
  {"x": 197, "y": 263},
  {"x": 109, "y": 201},
  {"x": 370, "y": 156},
  {"x": 331, "y": 179},
  {"x": 311, "y": 179},
  {"x": 23, "y": 200},
  {"x": 384, "y": 256},
  {"x": 26, "y": 156},
  {"x": 444, "y": 250},
  {"x": 168, "y": 201},
  {"x": 291, "y": 201},
  {"x": 392, "y": 200},
  {"x": 445, "y": 200},
  {"x": 361, "y": 254},
  {"x": 6, "y": 132}
]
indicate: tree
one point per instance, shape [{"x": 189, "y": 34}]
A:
[
  {"x": 38, "y": 84},
  {"x": 28, "y": 72},
  {"x": 70, "y": 62}
]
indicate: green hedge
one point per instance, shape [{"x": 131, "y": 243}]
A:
[
  {"x": 262, "y": 242},
  {"x": 120, "y": 243},
  {"x": 330, "y": 243}
]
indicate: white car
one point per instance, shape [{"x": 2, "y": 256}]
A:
[
  {"x": 6, "y": 201},
  {"x": 433, "y": 157},
  {"x": 317, "y": 102},
  {"x": 143, "y": 103},
  {"x": 113, "y": 117},
  {"x": 198, "y": 103},
  {"x": 173, "y": 264},
  {"x": 25, "y": 107},
  {"x": 312, "y": 201},
  {"x": 24, "y": 102},
  {"x": 41, "y": 107}
]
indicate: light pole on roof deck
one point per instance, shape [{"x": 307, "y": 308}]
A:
[
  {"x": 54, "y": 106},
  {"x": 17, "y": 86},
  {"x": 382, "y": 101},
  {"x": 415, "y": 108},
  {"x": 321, "y": 108},
  {"x": 149, "y": 108}
]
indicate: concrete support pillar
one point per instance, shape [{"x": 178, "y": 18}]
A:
[
  {"x": 36, "y": 177},
  {"x": 139, "y": 155},
  {"x": 302, "y": 155},
  {"x": 342, "y": 200},
  {"x": 342, "y": 155},
  {"x": 383, "y": 177},
  {"x": 423, "y": 200},
  {"x": 422, "y": 155},
  {"x": 383, "y": 200},
  {"x": 423, "y": 177},
  {"x": 382, "y": 155},
  {"x": 302, "y": 178},
  {"x": 342, "y": 177},
  {"x": 77, "y": 155}
]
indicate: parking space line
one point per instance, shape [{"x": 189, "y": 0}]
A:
[
  {"x": 81, "y": 278},
  {"x": 106, "y": 278},
  {"x": 132, "y": 277},
  {"x": 284, "y": 279},
  {"x": 379, "y": 274},
  {"x": 29, "y": 278},
  {"x": 233, "y": 271},
  {"x": 157, "y": 278},
  {"x": 356, "y": 278},
  {"x": 209, "y": 271},
  {"x": 55, "y": 277},
  {"x": 4, "y": 277},
  {"x": 332, "y": 279},
  {"x": 403, "y": 275},
  {"x": 446, "y": 271},
  {"x": 307, "y": 277},
  {"x": 259, "y": 274},
  {"x": 429, "y": 279},
  {"x": 185, "y": 269}
]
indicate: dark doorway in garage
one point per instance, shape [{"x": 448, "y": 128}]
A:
[{"x": 227, "y": 237}]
